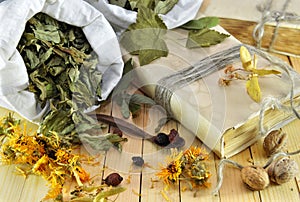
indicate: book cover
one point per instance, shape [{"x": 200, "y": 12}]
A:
[{"x": 226, "y": 119}]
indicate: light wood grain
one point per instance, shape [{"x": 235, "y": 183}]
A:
[{"x": 286, "y": 40}]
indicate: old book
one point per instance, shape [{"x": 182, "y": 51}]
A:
[{"x": 226, "y": 119}]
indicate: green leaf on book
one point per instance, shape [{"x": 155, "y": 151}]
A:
[
  {"x": 145, "y": 37},
  {"x": 204, "y": 38},
  {"x": 163, "y": 7},
  {"x": 201, "y": 23}
]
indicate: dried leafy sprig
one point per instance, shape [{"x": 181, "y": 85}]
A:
[
  {"x": 130, "y": 104},
  {"x": 188, "y": 166},
  {"x": 200, "y": 34},
  {"x": 249, "y": 73},
  {"x": 46, "y": 157},
  {"x": 95, "y": 193}
]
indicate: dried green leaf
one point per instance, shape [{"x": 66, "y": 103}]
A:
[
  {"x": 141, "y": 99},
  {"x": 125, "y": 80},
  {"x": 32, "y": 59},
  {"x": 158, "y": 50},
  {"x": 204, "y": 38},
  {"x": 137, "y": 4},
  {"x": 125, "y": 109},
  {"x": 44, "y": 35},
  {"x": 108, "y": 193},
  {"x": 253, "y": 88},
  {"x": 201, "y": 23},
  {"x": 128, "y": 66},
  {"x": 163, "y": 7},
  {"x": 82, "y": 199},
  {"x": 100, "y": 142},
  {"x": 145, "y": 37},
  {"x": 134, "y": 108},
  {"x": 120, "y": 3}
]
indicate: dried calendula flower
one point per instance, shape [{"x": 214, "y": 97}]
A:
[
  {"x": 188, "y": 166},
  {"x": 283, "y": 170},
  {"x": 255, "y": 177},
  {"x": 44, "y": 156},
  {"x": 275, "y": 141}
]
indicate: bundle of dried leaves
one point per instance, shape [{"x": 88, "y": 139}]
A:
[{"x": 61, "y": 66}]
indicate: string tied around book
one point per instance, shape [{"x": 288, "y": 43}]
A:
[
  {"x": 269, "y": 15},
  {"x": 167, "y": 85}
]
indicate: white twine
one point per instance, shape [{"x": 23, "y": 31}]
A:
[
  {"x": 272, "y": 16},
  {"x": 279, "y": 154},
  {"x": 220, "y": 173}
]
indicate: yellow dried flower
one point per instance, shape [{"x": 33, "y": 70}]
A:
[
  {"x": 188, "y": 166},
  {"x": 172, "y": 171},
  {"x": 44, "y": 156}
]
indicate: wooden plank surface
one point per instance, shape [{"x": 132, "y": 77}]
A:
[
  {"x": 142, "y": 185},
  {"x": 287, "y": 39}
]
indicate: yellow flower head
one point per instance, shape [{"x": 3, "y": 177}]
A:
[
  {"x": 172, "y": 171},
  {"x": 195, "y": 152}
]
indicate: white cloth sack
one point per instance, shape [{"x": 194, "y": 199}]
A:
[
  {"x": 13, "y": 75},
  {"x": 121, "y": 18}
]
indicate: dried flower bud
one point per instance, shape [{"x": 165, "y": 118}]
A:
[
  {"x": 283, "y": 170},
  {"x": 118, "y": 132},
  {"x": 173, "y": 134},
  {"x": 229, "y": 69},
  {"x": 255, "y": 177},
  {"x": 162, "y": 139},
  {"x": 113, "y": 179},
  {"x": 175, "y": 140},
  {"x": 138, "y": 161},
  {"x": 274, "y": 142},
  {"x": 224, "y": 82}
]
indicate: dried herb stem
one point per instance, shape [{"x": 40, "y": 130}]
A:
[{"x": 124, "y": 126}]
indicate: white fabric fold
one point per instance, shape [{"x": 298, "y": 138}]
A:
[
  {"x": 13, "y": 75},
  {"x": 121, "y": 18}
]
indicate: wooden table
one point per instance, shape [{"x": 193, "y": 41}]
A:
[{"x": 142, "y": 185}]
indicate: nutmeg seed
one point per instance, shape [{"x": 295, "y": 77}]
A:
[
  {"x": 255, "y": 177},
  {"x": 283, "y": 170},
  {"x": 274, "y": 142}
]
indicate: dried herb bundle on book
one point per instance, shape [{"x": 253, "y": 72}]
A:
[{"x": 259, "y": 95}]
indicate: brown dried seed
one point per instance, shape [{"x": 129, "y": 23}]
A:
[
  {"x": 113, "y": 179},
  {"x": 274, "y": 142},
  {"x": 283, "y": 170},
  {"x": 256, "y": 178}
]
